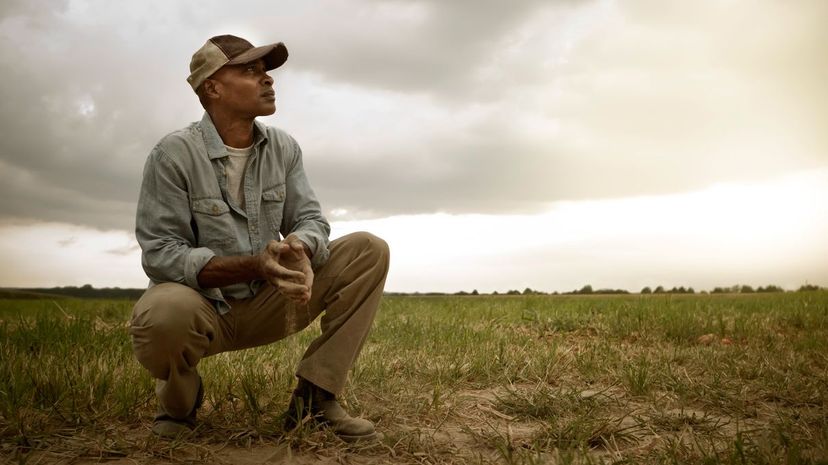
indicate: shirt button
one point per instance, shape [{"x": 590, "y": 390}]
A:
[{"x": 215, "y": 209}]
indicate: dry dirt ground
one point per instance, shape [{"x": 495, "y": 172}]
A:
[{"x": 471, "y": 430}]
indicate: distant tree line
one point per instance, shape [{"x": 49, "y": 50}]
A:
[
  {"x": 746, "y": 289},
  {"x": 84, "y": 292},
  {"x": 588, "y": 290},
  {"x": 673, "y": 290},
  {"x": 87, "y": 291}
]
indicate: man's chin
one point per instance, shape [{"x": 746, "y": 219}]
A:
[{"x": 267, "y": 110}]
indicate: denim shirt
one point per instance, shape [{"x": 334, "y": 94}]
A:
[{"x": 185, "y": 216}]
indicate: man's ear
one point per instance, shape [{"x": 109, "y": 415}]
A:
[{"x": 212, "y": 88}]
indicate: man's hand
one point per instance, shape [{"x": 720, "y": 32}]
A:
[{"x": 287, "y": 267}]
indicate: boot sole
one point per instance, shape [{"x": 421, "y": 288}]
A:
[
  {"x": 171, "y": 430},
  {"x": 373, "y": 437}
]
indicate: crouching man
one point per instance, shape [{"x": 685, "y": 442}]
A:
[{"x": 214, "y": 199}]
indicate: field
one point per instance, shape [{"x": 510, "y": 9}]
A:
[{"x": 489, "y": 379}]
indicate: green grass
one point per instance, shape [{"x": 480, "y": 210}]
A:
[{"x": 523, "y": 379}]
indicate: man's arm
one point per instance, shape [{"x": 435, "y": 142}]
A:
[
  {"x": 303, "y": 217},
  {"x": 162, "y": 227},
  {"x": 224, "y": 271},
  {"x": 286, "y": 265}
]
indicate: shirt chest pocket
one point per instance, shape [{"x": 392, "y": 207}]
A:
[
  {"x": 214, "y": 224},
  {"x": 273, "y": 205}
]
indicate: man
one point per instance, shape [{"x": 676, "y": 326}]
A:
[{"x": 214, "y": 199}]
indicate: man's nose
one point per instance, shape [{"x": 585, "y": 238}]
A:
[{"x": 267, "y": 80}]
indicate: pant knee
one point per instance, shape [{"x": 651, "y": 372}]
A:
[
  {"x": 165, "y": 330},
  {"x": 372, "y": 245}
]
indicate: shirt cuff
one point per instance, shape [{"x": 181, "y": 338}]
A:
[{"x": 196, "y": 259}]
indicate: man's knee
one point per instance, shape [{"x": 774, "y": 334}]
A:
[
  {"x": 168, "y": 308},
  {"x": 164, "y": 321},
  {"x": 371, "y": 245}
]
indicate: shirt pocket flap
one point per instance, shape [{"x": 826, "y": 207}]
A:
[
  {"x": 213, "y": 207},
  {"x": 275, "y": 194}
]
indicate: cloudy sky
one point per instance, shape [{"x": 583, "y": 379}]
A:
[{"x": 495, "y": 145}]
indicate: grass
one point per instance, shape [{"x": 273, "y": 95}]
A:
[{"x": 523, "y": 379}]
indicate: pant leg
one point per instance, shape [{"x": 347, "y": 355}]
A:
[
  {"x": 351, "y": 285},
  {"x": 173, "y": 327},
  {"x": 347, "y": 288}
]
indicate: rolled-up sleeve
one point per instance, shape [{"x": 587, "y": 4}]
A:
[
  {"x": 302, "y": 213},
  {"x": 163, "y": 227}
]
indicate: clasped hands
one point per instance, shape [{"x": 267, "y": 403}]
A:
[{"x": 287, "y": 267}]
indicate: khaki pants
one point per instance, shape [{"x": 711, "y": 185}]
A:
[{"x": 173, "y": 326}]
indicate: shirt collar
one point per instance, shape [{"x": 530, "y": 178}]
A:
[{"x": 213, "y": 142}]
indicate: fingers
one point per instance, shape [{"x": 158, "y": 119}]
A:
[
  {"x": 274, "y": 270},
  {"x": 297, "y": 247},
  {"x": 273, "y": 248},
  {"x": 298, "y": 293},
  {"x": 309, "y": 278},
  {"x": 288, "y": 269},
  {"x": 294, "y": 249},
  {"x": 290, "y": 288},
  {"x": 304, "y": 299}
]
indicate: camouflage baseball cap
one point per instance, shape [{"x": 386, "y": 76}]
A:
[{"x": 231, "y": 50}]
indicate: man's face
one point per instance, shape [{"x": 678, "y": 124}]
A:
[{"x": 246, "y": 90}]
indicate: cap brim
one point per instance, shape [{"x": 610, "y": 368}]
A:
[{"x": 274, "y": 56}]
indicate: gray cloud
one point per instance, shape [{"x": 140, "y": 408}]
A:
[
  {"x": 68, "y": 241},
  {"x": 411, "y": 107},
  {"x": 431, "y": 47},
  {"x": 125, "y": 250},
  {"x": 648, "y": 102},
  {"x": 82, "y": 107}
]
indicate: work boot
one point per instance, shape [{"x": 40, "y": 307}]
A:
[
  {"x": 166, "y": 426},
  {"x": 323, "y": 408}
]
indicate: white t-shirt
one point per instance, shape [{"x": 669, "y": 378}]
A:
[{"x": 234, "y": 169}]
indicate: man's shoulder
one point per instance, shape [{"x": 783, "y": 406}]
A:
[
  {"x": 277, "y": 135},
  {"x": 181, "y": 140},
  {"x": 281, "y": 144}
]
